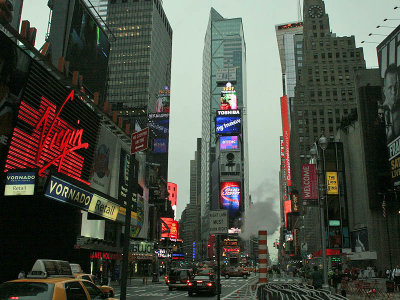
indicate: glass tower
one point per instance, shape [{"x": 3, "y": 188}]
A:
[
  {"x": 140, "y": 58},
  {"x": 224, "y": 47}
]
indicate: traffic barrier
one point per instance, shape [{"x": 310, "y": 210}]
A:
[{"x": 262, "y": 256}]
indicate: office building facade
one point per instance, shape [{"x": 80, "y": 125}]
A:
[
  {"x": 224, "y": 73},
  {"x": 140, "y": 56},
  {"x": 324, "y": 93}
]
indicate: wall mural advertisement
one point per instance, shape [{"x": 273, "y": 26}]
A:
[
  {"x": 104, "y": 159},
  {"x": 230, "y": 195},
  {"x": 389, "y": 62},
  {"x": 14, "y": 67}
]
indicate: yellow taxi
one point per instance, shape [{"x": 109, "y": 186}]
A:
[
  {"x": 77, "y": 272},
  {"x": 51, "y": 280}
]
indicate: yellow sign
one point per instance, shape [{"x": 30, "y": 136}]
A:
[
  {"x": 104, "y": 208},
  {"x": 332, "y": 184}
]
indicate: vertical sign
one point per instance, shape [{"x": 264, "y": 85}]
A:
[
  {"x": 139, "y": 140},
  {"x": 286, "y": 137},
  {"x": 332, "y": 183},
  {"x": 295, "y": 201},
  {"x": 309, "y": 181}
]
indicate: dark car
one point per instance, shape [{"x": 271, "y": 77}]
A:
[
  {"x": 178, "y": 278},
  {"x": 202, "y": 284},
  {"x": 235, "y": 272}
]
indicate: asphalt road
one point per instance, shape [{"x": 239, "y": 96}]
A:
[{"x": 231, "y": 289}]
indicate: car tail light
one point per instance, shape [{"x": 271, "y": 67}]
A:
[
  {"x": 209, "y": 284},
  {"x": 199, "y": 281},
  {"x": 168, "y": 281},
  {"x": 166, "y": 277},
  {"x": 13, "y": 298},
  {"x": 189, "y": 283}
]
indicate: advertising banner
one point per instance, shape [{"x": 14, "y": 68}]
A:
[
  {"x": 63, "y": 191},
  {"x": 286, "y": 138},
  {"x": 287, "y": 208},
  {"x": 228, "y": 142},
  {"x": 389, "y": 65},
  {"x": 228, "y": 122},
  {"x": 124, "y": 165},
  {"x": 14, "y": 67},
  {"x": 309, "y": 182},
  {"x": 230, "y": 196},
  {"x": 138, "y": 247},
  {"x": 332, "y": 185},
  {"x": 20, "y": 184},
  {"x": 104, "y": 159}
]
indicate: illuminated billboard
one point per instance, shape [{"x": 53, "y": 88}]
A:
[
  {"x": 169, "y": 228},
  {"x": 163, "y": 104},
  {"x": 389, "y": 62},
  {"x": 159, "y": 124},
  {"x": 286, "y": 138},
  {"x": 88, "y": 48},
  {"x": 229, "y": 142},
  {"x": 230, "y": 197},
  {"x": 160, "y": 145},
  {"x": 228, "y": 100},
  {"x": 228, "y": 122}
]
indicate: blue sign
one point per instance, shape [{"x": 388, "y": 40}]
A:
[
  {"x": 63, "y": 191},
  {"x": 228, "y": 124},
  {"x": 228, "y": 142},
  {"x": 20, "y": 184}
]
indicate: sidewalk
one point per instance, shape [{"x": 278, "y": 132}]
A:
[{"x": 136, "y": 281}]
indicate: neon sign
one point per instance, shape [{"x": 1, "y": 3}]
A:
[{"x": 53, "y": 142}]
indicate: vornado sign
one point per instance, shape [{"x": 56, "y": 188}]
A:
[{"x": 63, "y": 191}]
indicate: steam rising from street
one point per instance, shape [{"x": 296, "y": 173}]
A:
[{"x": 262, "y": 214}]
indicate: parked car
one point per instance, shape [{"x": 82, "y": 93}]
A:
[
  {"x": 235, "y": 272},
  {"x": 178, "y": 278},
  {"x": 51, "y": 280},
  {"x": 202, "y": 284}
]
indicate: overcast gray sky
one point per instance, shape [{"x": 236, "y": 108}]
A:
[{"x": 189, "y": 19}]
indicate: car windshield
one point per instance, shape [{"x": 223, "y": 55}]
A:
[
  {"x": 202, "y": 277},
  {"x": 27, "y": 290}
]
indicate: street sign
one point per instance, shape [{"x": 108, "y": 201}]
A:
[
  {"x": 139, "y": 140},
  {"x": 219, "y": 221}
]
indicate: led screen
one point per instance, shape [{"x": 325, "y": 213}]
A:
[
  {"x": 230, "y": 197},
  {"x": 169, "y": 228},
  {"x": 228, "y": 100},
  {"x": 163, "y": 104},
  {"x": 228, "y": 142},
  {"x": 88, "y": 49},
  {"x": 229, "y": 123},
  {"x": 160, "y": 145},
  {"x": 159, "y": 124}
]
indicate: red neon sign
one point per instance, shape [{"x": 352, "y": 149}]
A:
[{"x": 53, "y": 141}]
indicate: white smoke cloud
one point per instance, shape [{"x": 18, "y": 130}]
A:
[{"x": 262, "y": 215}]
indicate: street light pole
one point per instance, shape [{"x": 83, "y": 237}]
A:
[{"x": 323, "y": 144}]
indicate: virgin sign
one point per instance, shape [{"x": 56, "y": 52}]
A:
[{"x": 53, "y": 142}]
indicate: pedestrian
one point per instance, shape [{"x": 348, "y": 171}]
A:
[
  {"x": 336, "y": 281},
  {"x": 21, "y": 274},
  {"x": 396, "y": 277},
  {"x": 388, "y": 273},
  {"x": 109, "y": 276},
  {"x": 316, "y": 278}
]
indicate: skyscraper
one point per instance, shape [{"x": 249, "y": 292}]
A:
[
  {"x": 324, "y": 93},
  {"x": 224, "y": 76},
  {"x": 140, "y": 58}
]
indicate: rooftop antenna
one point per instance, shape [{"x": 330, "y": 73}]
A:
[{"x": 299, "y": 15}]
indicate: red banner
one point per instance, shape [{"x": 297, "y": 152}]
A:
[
  {"x": 286, "y": 137},
  {"x": 309, "y": 181}
]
